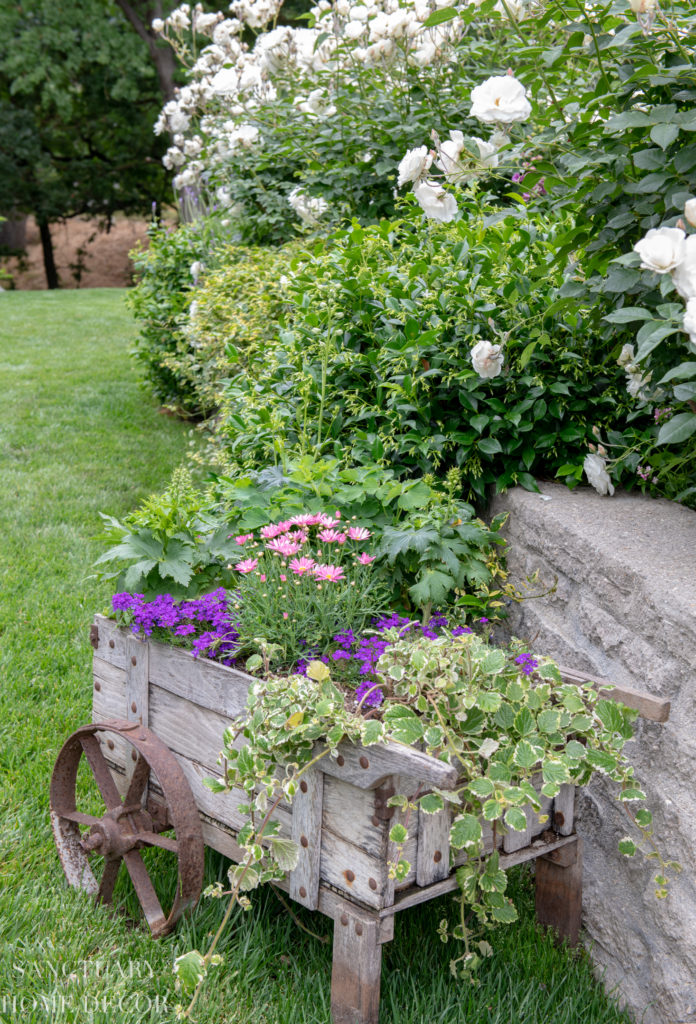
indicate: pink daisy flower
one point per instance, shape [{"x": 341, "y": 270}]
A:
[
  {"x": 358, "y": 533},
  {"x": 248, "y": 565},
  {"x": 332, "y": 536},
  {"x": 306, "y": 519},
  {"x": 325, "y": 520},
  {"x": 330, "y": 573},
  {"x": 300, "y": 566},
  {"x": 243, "y": 538},
  {"x": 365, "y": 559}
]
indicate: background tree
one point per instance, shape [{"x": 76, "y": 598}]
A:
[{"x": 78, "y": 97}]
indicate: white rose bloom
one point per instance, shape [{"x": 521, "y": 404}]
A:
[
  {"x": 596, "y": 472},
  {"x": 424, "y": 55},
  {"x": 690, "y": 211},
  {"x": 635, "y": 381},
  {"x": 690, "y": 320},
  {"x": 684, "y": 275},
  {"x": 661, "y": 250},
  {"x": 225, "y": 82},
  {"x": 308, "y": 208},
  {"x": 415, "y": 165},
  {"x": 488, "y": 152},
  {"x": 353, "y": 29},
  {"x": 487, "y": 359},
  {"x": 435, "y": 202},
  {"x": 500, "y": 100},
  {"x": 157, "y": 25},
  {"x": 627, "y": 355},
  {"x": 642, "y": 6},
  {"x": 450, "y": 152}
]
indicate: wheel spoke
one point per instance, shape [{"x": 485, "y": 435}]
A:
[
  {"x": 106, "y": 886},
  {"x": 146, "y": 891},
  {"x": 101, "y": 772},
  {"x": 164, "y": 842},
  {"x": 141, "y": 775},
  {"x": 79, "y": 817}
]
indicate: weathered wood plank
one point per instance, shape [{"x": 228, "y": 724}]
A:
[
  {"x": 657, "y": 709},
  {"x": 307, "y": 807},
  {"x": 563, "y": 815},
  {"x": 137, "y": 686},
  {"x": 367, "y": 767},
  {"x": 351, "y": 811},
  {"x": 352, "y": 871},
  {"x": 559, "y": 892},
  {"x": 200, "y": 680},
  {"x": 357, "y": 969},
  {"x": 433, "y": 855},
  {"x": 414, "y": 896},
  {"x": 112, "y": 642}
]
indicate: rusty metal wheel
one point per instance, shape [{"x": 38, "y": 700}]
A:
[{"x": 157, "y": 799}]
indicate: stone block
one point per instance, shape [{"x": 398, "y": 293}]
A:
[{"x": 625, "y": 609}]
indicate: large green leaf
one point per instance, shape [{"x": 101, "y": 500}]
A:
[{"x": 679, "y": 428}]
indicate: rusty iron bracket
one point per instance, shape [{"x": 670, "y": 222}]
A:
[{"x": 383, "y": 812}]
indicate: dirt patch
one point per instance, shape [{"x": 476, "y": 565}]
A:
[{"x": 85, "y": 256}]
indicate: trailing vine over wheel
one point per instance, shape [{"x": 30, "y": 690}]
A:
[{"x": 157, "y": 799}]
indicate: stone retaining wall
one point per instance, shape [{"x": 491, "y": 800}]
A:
[{"x": 625, "y": 608}]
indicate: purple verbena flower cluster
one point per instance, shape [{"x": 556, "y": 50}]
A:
[
  {"x": 367, "y": 650},
  {"x": 527, "y": 663},
  {"x": 205, "y": 620}
]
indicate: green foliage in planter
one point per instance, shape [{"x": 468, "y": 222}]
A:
[
  {"x": 376, "y": 365},
  {"x": 430, "y": 546},
  {"x": 171, "y": 544},
  {"x": 504, "y": 718}
]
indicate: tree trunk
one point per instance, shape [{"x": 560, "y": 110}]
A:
[
  {"x": 49, "y": 262},
  {"x": 165, "y": 63}
]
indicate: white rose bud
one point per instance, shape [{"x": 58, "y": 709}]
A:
[
  {"x": 662, "y": 249},
  {"x": 628, "y": 354},
  {"x": 690, "y": 211},
  {"x": 596, "y": 472},
  {"x": 157, "y": 25},
  {"x": 487, "y": 359}
]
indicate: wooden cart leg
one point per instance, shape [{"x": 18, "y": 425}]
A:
[
  {"x": 357, "y": 966},
  {"x": 559, "y": 891}
]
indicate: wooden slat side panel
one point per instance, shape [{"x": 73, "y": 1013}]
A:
[
  {"x": 352, "y": 871},
  {"x": 109, "y": 694},
  {"x": 433, "y": 856},
  {"x": 350, "y": 811},
  {"x": 563, "y": 815},
  {"x": 306, "y": 832},
  {"x": 205, "y": 682},
  {"x": 367, "y": 767},
  {"x": 113, "y": 641}
]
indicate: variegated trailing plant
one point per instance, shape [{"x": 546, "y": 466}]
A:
[{"x": 505, "y": 718}]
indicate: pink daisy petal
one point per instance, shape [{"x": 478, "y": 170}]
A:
[
  {"x": 358, "y": 533},
  {"x": 302, "y": 566},
  {"x": 248, "y": 565}
]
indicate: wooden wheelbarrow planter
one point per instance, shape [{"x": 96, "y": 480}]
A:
[{"x": 158, "y": 719}]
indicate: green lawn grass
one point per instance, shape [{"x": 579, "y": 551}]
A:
[{"x": 78, "y": 436}]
